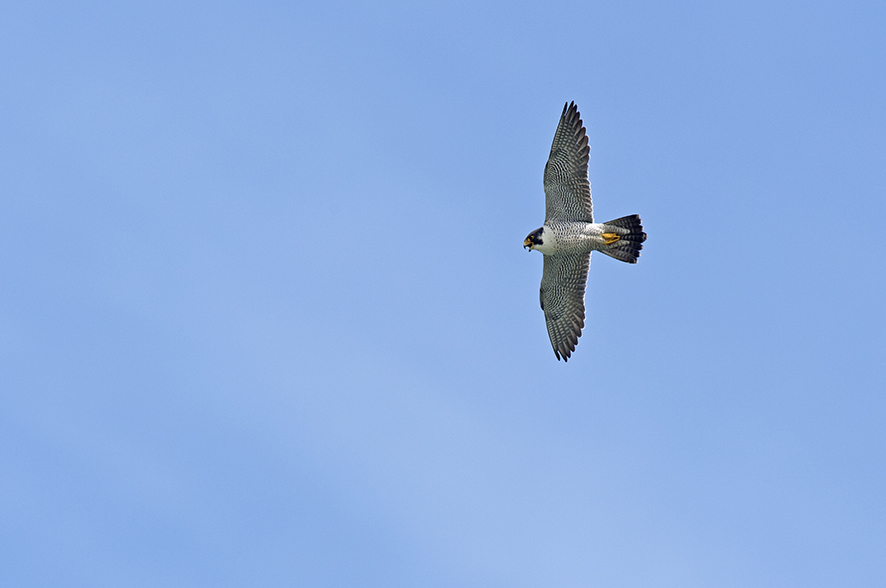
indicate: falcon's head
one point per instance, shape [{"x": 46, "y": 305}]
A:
[{"x": 534, "y": 239}]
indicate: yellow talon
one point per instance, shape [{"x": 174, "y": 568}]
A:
[{"x": 610, "y": 238}]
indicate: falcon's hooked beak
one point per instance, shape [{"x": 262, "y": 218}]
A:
[{"x": 527, "y": 244}]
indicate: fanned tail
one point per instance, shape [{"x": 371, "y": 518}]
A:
[{"x": 624, "y": 238}]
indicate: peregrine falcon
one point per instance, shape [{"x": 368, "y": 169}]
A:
[{"x": 570, "y": 234}]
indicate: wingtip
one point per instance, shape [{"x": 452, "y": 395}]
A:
[
  {"x": 562, "y": 354},
  {"x": 571, "y": 113}
]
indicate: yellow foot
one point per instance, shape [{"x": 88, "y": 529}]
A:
[{"x": 610, "y": 238}]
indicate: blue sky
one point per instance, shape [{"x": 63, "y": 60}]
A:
[{"x": 266, "y": 320}]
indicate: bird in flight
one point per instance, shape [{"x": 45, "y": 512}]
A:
[{"x": 570, "y": 234}]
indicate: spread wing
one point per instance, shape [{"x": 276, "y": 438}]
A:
[
  {"x": 567, "y": 189},
  {"x": 562, "y": 297}
]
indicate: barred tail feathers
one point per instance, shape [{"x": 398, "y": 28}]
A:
[{"x": 630, "y": 238}]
